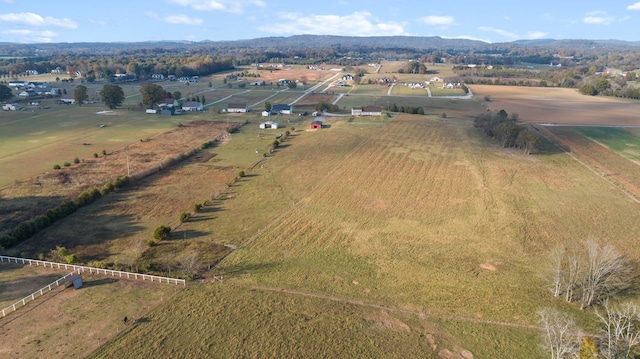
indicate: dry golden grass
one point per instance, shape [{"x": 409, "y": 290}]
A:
[{"x": 33, "y": 196}]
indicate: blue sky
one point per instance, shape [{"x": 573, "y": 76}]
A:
[{"x": 32, "y": 21}]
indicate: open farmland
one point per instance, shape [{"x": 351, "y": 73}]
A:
[
  {"x": 558, "y": 106},
  {"x": 404, "y": 237},
  {"x": 417, "y": 216}
]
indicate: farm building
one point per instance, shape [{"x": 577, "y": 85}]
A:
[
  {"x": 258, "y": 83},
  {"x": 269, "y": 125},
  {"x": 27, "y": 94},
  {"x": 237, "y": 107},
  {"x": 192, "y": 106},
  {"x": 67, "y": 99},
  {"x": 73, "y": 280},
  {"x": 367, "y": 111},
  {"x": 316, "y": 125},
  {"x": 266, "y": 113},
  {"x": 282, "y": 109},
  {"x": 168, "y": 102},
  {"x": 167, "y": 111},
  {"x": 12, "y": 107}
]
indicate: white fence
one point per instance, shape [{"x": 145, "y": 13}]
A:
[
  {"x": 31, "y": 297},
  {"x": 82, "y": 269},
  {"x": 76, "y": 269}
]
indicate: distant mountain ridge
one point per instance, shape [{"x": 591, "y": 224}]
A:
[{"x": 302, "y": 42}]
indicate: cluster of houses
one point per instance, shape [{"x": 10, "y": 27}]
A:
[
  {"x": 189, "y": 79},
  {"x": 170, "y": 106}
]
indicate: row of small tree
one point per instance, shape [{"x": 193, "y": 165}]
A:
[
  {"x": 30, "y": 227},
  {"x": 418, "y": 110}
]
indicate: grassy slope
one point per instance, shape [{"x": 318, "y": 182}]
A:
[
  {"x": 235, "y": 322},
  {"x": 403, "y": 216}
]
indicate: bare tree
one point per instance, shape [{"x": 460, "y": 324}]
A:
[
  {"x": 621, "y": 331},
  {"x": 190, "y": 263},
  {"x": 560, "y": 333},
  {"x": 573, "y": 273},
  {"x": 555, "y": 265},
  {"x": 132, "y": 256},
  {"x": 589, "y": 274},
  {"x": 606, "y": 273}
]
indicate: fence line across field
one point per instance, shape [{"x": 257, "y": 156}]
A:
[
  {"x": 31, "y": 297},
  {"x": 75, "y": 269},
  {"x": 82, "y": 269}
]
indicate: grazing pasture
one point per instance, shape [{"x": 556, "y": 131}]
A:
[
  {"x": 18, "y": 281},
  {"x": 68, "y": 323}
]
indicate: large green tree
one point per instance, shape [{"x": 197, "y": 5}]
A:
[
  {"x": 152, "y": 94},
  {"x": 5, "y": 92},
  {"x": 80, "y": 94},
  {"x": 112, "y": 95}
]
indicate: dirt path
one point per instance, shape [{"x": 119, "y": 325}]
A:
[{"x": 388, "y": 308}]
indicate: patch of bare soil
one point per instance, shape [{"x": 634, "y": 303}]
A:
[
  {"x": 457, "y": 354},
  {"x": 384, "y": 321},
  {"x": 34, "y": 196},
  {"x": 488, "y": 266},
  {"x": 294, "y": 73}
]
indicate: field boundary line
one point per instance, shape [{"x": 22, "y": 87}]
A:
[
  {"x": 361, "y": 303},
  {"x": 547, "y": 134},
  {"x": 93, "y": 270},
  {"x": 31, "y": 297}
]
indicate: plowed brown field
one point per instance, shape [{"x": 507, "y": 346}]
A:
[{"x": 559, "y": 106}]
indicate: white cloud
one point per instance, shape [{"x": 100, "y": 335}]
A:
[
  {"x": 597, "y": 18},
  {"x": 465, "y": 37},
  {"x": 97, "y": 22},
  {"x": 181, "y": 19},
  {"x": 536, "y": 35},
  {"x": 635, "y": 6},
  {"x": 30, "y": 35},
  {"x": 356, "y": 24},
  {"x": 438, "y": 20},
  {"x": 31, "y": 19},
  {"x": 504, "y": 33},
  {"x": 232, "y": 6}
]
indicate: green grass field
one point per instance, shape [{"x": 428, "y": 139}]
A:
[{"x": 618, "y": 140}]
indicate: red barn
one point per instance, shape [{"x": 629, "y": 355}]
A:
[{"x": 316, "y": 125}]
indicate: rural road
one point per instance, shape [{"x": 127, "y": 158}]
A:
[{"x": 313, "y": 88}]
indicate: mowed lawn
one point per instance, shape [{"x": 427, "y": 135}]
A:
[
  {"x": 421, "y": 216},
  {"x": 32, "y": 143}
]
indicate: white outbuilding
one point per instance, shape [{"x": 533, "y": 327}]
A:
[{"x": 269, "y": 125}]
